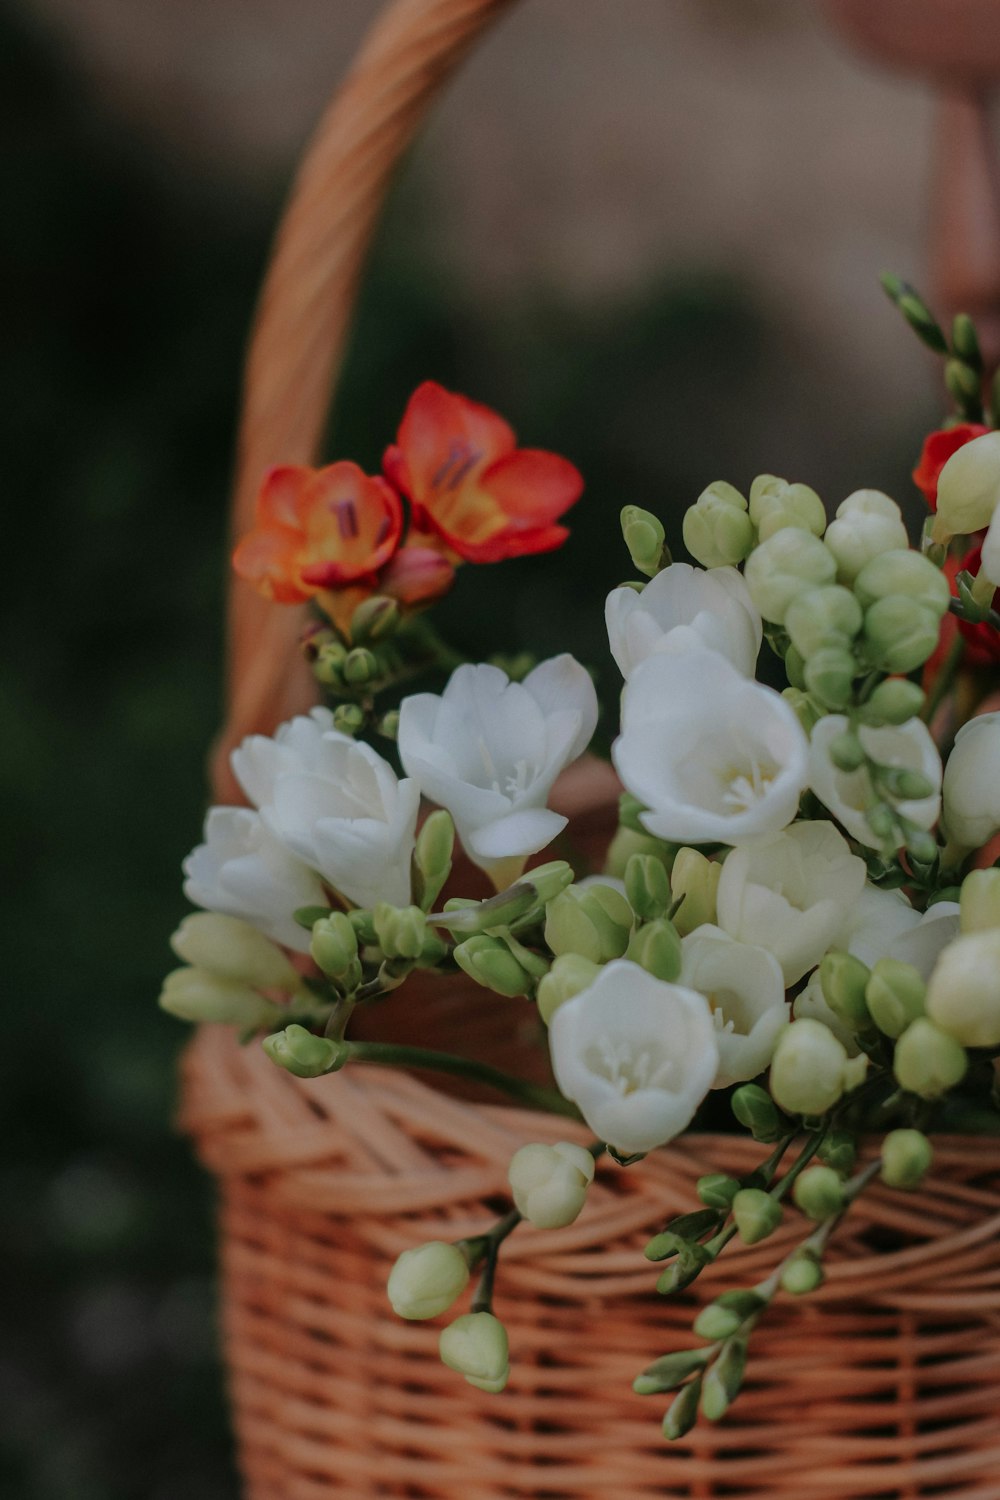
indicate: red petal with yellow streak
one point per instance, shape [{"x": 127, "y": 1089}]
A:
[
  {"x": 266, "y": 558},
  {"x": 353, "y": 524}
]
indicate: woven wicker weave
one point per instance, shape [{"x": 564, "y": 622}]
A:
[{"x": 882, "y": 1386}]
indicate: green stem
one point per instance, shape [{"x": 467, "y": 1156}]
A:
[
  {"x": 803, "y": 1159},
  {"x": 393, "y": 1054},
  {"x": 483, "y": 1298},
  {"x": 945, "y": 679}
]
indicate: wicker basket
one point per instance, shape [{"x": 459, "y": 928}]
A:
[{"x": 883, "y": 1384}]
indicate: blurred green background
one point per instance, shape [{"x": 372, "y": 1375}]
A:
[{"x": 127, "y": 289}]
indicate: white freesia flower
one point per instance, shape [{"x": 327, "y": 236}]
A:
[
  {"x": 489, "y": 750},
  {"x": 847, "y": 794},
  {"x": 874, "y": 923},
  {"x": 972, "y": 783},
  {"x": 792, "y": 895},
  {"x": 885, "y": 925},
  {"x": 637, "y": 1055},
  {"x": 746, "y": 994},
  {"x": 712, "y": 756},
  {"x": 683, "y": 607},
  {"x": 242, "y": 871},
  {"x": 336, "y": 804}
]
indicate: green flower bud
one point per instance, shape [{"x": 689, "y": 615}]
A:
[
  {"x": 328, "y": 662},
  {"x": 965, "y": 341},
  {"x": 533, "y": 891},
  {"x": 694, "y": 882},
  {"x": 979, "y": 902},
  {"x": 803, "y": 1274},
  {"x": 847, "y": 751},
  {"x": 364, "y": 926},
  {"x": 790, "y": 562},
  {"x": 360, "y": 667},
  {"x": 715, "y": 1322},
  {"x": 717, "y": 1190},
  {"x": 819, "y": 1193},
  {"x": 811, "y": 1070},
  {"x": 806, "y": 709},
  {"x": 401, "y": 932},
  {"x": 723, "y": 1380},
  {"x": 928, "y": 1061},
  {"x": 682, "y": 1412},
  {"x": 717, "y": 530},
  {"x": 900, "y": 634},
  {"x": 828, "y": 616},
  {"x": 754, "y": 1109},
  {"x": 546, "y": 881},
  {"x": 231, "y": 949},
  {"x": 830, "y": 674},
  {"x": 594, "y": 921},
  {"x": 907, "y": 574},
  {"x": 906, "y": 1158},
  {"x": 843, "y": 979},
  {"x": 795, "y": 668},
  {"x": 895, "y": 995},
  {"x": 374, "y": 620},
  {"x": 669, "y": 1371},
  {"x": 882, "y": 821},
  {"x": 432, "y": 855},
  {"x": 196, "y": 995},
  {"x": 568, "y": 976},
  {"x": 426, "y": 1281},
  {"x": 962, "y": 384},
  {"x": 476, "y": 1346},
  {"x": 647, "y": 886},
  {"x": 644, "y": 538},
  {"x": 490, "y": 963},
  {"x": 656, "y": 947},
  {"x": 867, "y": 524},
  {"x": 297, "y": 1051},
  {"x": 388, "y": 725},
  {"x": 756, "y": 1214},
  {"x": 775, "y": 504},
  {"x": 894, "y": 702},
  {"x": 922, "y": 847},
  {"x": 839, "y": 1151},
  {"x": 627, "y": 842},
  {"x": 690, "y": 1262},
  {"x": 907, "y": 785},
  {"x": 334, "y": 945},
  {"x": 348, "y": 718},
  {"x": 963, "y": 992}
]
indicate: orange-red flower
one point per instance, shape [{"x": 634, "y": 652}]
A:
[
  {"x": 938, "y": 448},
  {"x": 319, "y": 529},
  {"x": 471, "y": 486}
]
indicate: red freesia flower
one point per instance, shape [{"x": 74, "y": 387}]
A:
[
  {"x": 938, "y": 448},
  {"x": 469, "y": 484},
  {"x": 319, "y": 529}
]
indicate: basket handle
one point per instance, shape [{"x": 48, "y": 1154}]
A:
[{"x": 304, "y": 313}]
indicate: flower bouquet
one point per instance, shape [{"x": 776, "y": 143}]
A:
[{"x": 795, "y": 924}]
